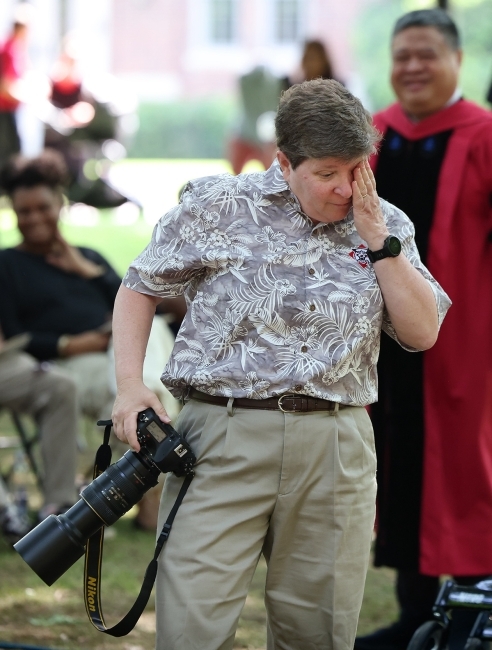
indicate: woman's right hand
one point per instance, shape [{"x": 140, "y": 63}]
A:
[{"x": 133, "y": 396}]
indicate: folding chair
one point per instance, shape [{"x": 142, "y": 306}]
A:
[{"x": 25, "y": 441}]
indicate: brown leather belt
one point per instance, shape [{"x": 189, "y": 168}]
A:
[{"x": 288, "y": 402}]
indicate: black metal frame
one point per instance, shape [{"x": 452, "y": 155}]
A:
[
  {"x": 27, "y": 443},
  {"x": 475, "y": 597}
]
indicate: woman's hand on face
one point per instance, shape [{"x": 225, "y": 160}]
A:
[
  {"x": 368, "y": 216},
  {"x": 70, "y": 259},
  {"x": 132, "y": 397}
]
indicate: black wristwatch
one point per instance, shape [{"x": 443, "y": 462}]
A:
[{"x": 391, "y": 248}]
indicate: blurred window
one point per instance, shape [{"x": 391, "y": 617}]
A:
[
  {"x": 287, "y": 21},
  {"x": 223, "y": 21}
]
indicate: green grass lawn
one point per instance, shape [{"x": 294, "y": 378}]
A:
[{"x": 35, "y": 614}]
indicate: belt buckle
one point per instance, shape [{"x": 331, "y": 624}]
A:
[{"x": 282, "y": 397}]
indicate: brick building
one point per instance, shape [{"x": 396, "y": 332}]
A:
[
  {"x": 189, "y": 48},
  {"x": 169, "y": 49}
]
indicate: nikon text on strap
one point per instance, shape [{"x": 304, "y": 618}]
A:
[{"x": 93, "y": 556}]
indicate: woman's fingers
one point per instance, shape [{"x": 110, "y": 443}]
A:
[
  {"x": 368, "y": 175},
  {"x": 367, "y": 181},
  {"x": 365, "y": 178},
  {"x": 368, "y": 217},
  {"x": 359, "y": 187}
]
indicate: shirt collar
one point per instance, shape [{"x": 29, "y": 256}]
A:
[
  {"x": 455, "y": 97},
  {"x": 275, "y": 184},
  {"x": 274, "y": 181}
]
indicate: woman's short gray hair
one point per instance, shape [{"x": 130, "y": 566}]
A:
[{"x": 322, "y": 119}]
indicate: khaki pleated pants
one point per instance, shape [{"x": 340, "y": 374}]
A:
[{"x": 299, "y": 488}]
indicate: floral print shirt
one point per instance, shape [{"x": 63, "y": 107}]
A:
[{"x": 276, "y": 304}]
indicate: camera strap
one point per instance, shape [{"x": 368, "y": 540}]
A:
[{"x": 93, "y": 556}]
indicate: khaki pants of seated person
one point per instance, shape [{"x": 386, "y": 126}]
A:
[
  {"x": 26, "y": 386},
  {"x": 95, "y": 397},
  {"x": 91, "y": 374},
  {"x": 299, "y": 488}
]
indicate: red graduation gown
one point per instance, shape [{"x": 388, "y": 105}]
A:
[{"x": 456, "y": 515}]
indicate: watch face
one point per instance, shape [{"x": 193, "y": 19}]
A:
[{"x": 394, "y": 246}]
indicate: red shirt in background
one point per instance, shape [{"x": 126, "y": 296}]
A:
[{"x": 13, "y": 64}]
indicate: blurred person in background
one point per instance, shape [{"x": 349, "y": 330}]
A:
[
  {"x": 315, "y": 64},
  {"x": 49, "y": 396},
  {"x": 61, "y": 295},
  {"x": 87, "y": 119},
  {"x": 254, "y": 139},
  {"x": 433, "y": 419},
  {"x": 13, "y": 66},
  {"x": 315, "y": 61}
]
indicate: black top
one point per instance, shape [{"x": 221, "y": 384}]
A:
[
  {"x": 47, "y": 302},
  {"x": 407, "y": 175}
]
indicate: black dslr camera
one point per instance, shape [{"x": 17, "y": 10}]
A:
[
  {"x": 163, "y": 446},
  {"x": 56, "y": 543}
]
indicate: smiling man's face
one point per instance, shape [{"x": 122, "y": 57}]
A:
[{"x": 425, "y": 70}]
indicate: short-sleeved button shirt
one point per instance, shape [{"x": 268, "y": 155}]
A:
[{"x": 276, "y": 303}]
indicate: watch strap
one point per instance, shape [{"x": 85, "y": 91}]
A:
[
  {"x": 375, "y": 256},
  {"x": 385, "y": 251}
]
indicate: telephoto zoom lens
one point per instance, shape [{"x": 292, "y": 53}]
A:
[{"x": 55, "y": 544}]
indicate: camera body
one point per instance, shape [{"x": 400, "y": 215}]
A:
[
  {"x": 55, "y": 544},
  {"x": 162, "y": 446}
]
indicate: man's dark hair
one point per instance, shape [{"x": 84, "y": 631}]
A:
[
  {"x": 48, "y": 169},
  {"x": 437, "y": 18},
  {"x": 322, "y": 119}
]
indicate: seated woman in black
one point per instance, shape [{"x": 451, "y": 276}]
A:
[{"x": 60, "y": 294}]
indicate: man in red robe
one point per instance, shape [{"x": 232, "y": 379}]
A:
[{"x": 433, "y": 420}]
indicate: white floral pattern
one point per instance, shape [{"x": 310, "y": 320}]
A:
[{"x": 276, "y": 304}]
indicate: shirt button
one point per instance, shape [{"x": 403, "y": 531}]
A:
[
  {"x": 311, "y": 271},
  {"x": 304, "y": 348},
  {"x": 312, "y": 307},
  {"x": 298, "y": 387}
]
